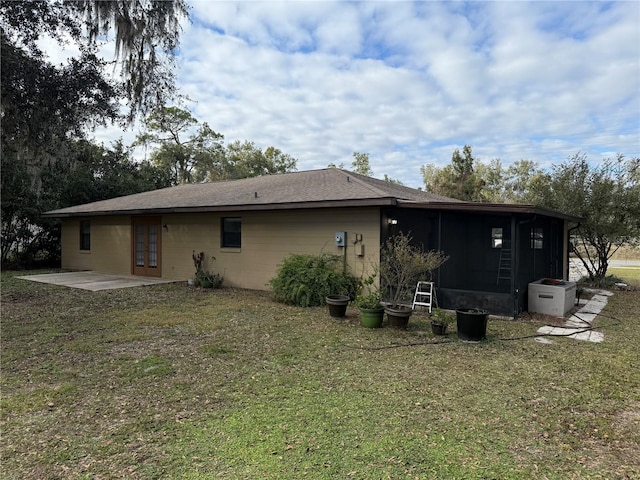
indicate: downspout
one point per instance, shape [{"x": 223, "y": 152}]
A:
[
  {"x": 514, "y": 262},
  {"x": 515, "y": 258},
  {"x": 439, "y": 240},
  {"x": 344, "y": 251}
]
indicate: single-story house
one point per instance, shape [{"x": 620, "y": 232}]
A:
[{"x": 247, "y": 227}]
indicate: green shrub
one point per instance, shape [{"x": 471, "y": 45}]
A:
[
  {"x": 305, "y": 280},
  {"x": 608, "y": 281}
]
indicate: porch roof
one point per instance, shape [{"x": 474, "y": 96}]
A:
[{"x": 492, "y": 208}]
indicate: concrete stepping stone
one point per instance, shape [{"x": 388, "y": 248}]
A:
[{"x": 578, "y": 326}]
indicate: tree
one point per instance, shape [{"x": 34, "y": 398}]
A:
[
  {"x": 146, "y": 34},
  {"x": 458, "y": 180},
  {"x": 522, "y": 179},
  {"x": 514, "y": 184},
  {"x": 244, "y": 159},
  {"x": 492, "y": 177},
  {"x": 188, "y": 150},
  {"x": 193, "y": 152},
  {"x": 89, "y": 173},
  {"x": 361, "y": 164},
  {"x": 47, "y": 109},
  {"x": 463, "y": 182},
  {"x": 392, "y": 180},
  {"x": 606, "y": 197},
  {"x": 430, "y": 176}
]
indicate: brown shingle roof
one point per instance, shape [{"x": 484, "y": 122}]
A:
[{"x": 307, "y": 189}]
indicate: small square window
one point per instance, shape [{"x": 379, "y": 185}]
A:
[
  {"x": 496, "y": 238},
  {"x": 85, "y": 235},
  {"x": 231, "y": 232},
  {"x": 537, "y": 238}
]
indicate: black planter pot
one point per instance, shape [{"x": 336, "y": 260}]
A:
[
  {"x": 398, "y": 317},
  {"x": 472, "y": 324},
  {"x": 439, "y": 328},
  {"x": 337, "y": 305}
]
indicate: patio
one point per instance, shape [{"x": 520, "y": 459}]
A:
[{"x": 93, "y": 281}]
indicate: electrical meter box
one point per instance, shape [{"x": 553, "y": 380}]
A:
[{"x": 341, "y": 238}]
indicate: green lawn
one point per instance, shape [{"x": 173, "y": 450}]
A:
[
  {"x": 631, "y": 275},
  {"x": 175, "y": 382}
]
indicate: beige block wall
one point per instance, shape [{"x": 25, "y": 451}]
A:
[
  {"x": 267, "y": 239},
  {"x": 110, "y": 245}
]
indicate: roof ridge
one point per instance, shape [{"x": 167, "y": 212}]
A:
[{"x": 362, "y": 180}]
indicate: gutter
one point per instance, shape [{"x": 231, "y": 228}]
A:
[
  {"x": 377, "y": 202},
  {"x": 495, "y": 208}
]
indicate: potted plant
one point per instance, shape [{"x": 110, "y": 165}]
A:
[
  {"x": 369, "y": 303},
  {"x": 337, "y": 305},
  {"x": 472, "y": 324},
  {"x": 440, "y": 320},
  {"x": 402, "y": 265},
  {"x": 339, "y": 281}
]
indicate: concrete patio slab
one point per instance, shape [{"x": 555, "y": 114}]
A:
[{"x": 93, "y": 281}]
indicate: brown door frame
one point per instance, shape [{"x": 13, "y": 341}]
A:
[{"x": 146, "y": 270}]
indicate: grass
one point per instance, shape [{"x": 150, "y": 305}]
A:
[
  {"x": 631, "y": 275},
  {"x": 176, "y": 382}
]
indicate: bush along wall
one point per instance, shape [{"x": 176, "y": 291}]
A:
[{"x": 305, "y": 280}]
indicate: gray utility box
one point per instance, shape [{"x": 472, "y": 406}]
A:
[{"x": 551, "y": 299}]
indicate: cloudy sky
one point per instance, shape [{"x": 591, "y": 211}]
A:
[{"x": 409, "y": 82}]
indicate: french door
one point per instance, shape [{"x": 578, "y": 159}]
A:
[{"x": 146, "y": 242}]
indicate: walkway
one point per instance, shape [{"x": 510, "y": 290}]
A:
[{"x": 580, "y": 324}]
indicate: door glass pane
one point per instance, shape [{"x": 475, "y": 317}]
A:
[
  {"x": 153, "y": 246},
  {"x": 139, "y": 245}
]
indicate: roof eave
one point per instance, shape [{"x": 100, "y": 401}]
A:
[
  {"x": 373, "y": 202},
  {"x": 497, "y": 208}
]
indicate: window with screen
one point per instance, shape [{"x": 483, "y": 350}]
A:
[
  {"x": 496, "y": 238},
  {"x": 231, "y": 232},
  {"x": 537, "y": 238},
  {"x": 85, "y": 235}
]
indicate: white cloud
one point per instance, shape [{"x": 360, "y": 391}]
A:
[{"x": 410, "y": 82}]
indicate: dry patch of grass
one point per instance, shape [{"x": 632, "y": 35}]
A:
[
  {"x": 627, "y": 253},
  {"x": 175, "y": 382}
]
